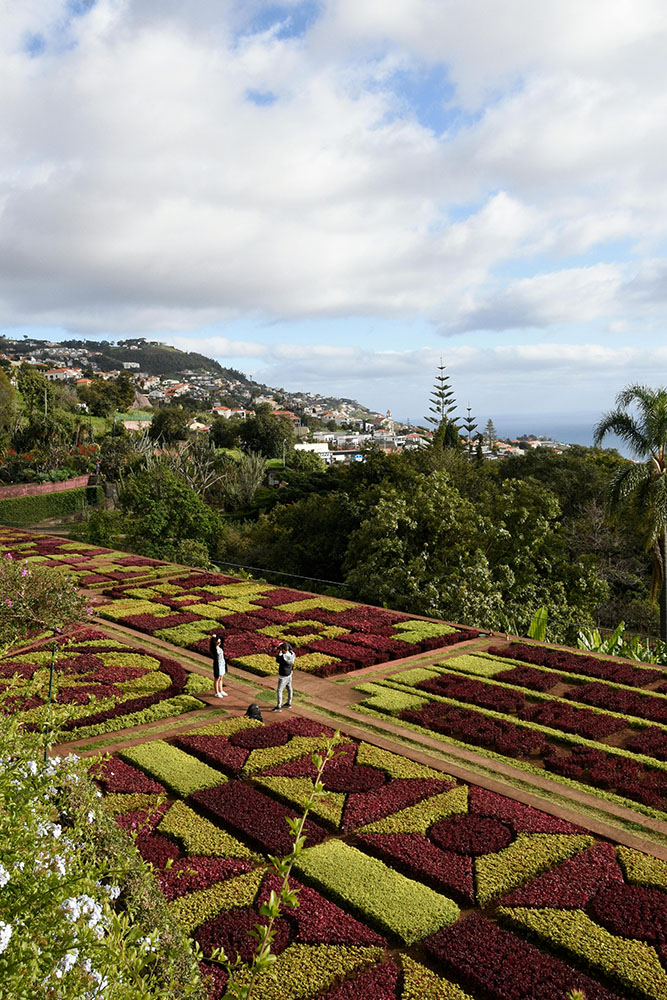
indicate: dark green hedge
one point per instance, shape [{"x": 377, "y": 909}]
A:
[{"x": 18, "y": 511}]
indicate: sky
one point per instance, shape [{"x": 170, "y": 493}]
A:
[{"x": 334, "y": 195}]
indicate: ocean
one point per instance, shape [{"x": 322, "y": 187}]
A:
[{"x": 570, "y": 428}]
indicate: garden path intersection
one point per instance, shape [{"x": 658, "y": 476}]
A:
[{"x": 496, "y": 817}]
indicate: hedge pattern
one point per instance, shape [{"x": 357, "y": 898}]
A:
[{"x": 101, "y": 684}]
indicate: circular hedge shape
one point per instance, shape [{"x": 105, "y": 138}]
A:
[
  {"x": 631, "y": 911},
  {"x": 471, "y": 835},
  {"x": 256, "y": 739}
]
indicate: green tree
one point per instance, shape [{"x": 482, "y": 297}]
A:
[
  {"x": 169, "y": 424},
  {"x": 36, "y": 391},
  {"x": 161, "y": 510},
  {"x": 105, "y": 396},
  {"x": 470, "y": 426},
  {"x": 642, "y": 486},
  {"x": 8, "y": 408},
  {"x": 267, "y": 434},
  {"x": 225, "y": 432},
  {"x": 490, "y": 560},
  {"x": 443, "y": 404},
  {"x": 490, "y": 434}
]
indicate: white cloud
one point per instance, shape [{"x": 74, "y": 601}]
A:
[{"x": 141, "y": 189}]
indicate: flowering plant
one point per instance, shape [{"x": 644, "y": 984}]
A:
[
  {"x": 77, "y": 913},
  {"x": 35, "y": 600}
]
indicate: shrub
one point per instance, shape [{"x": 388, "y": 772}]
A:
[
  {"x": 571, "y": 883},
  {"x": 496, "y": 963},
  {"x": 199, "y": 836},
  {"x": 64, "y": 862},
  {"x": 578, "y": 663},
  {"x": 642, "y": 869},
  {"x": 404, "y": 908},
  {"x": 32, "y": 509},
  {"x": 177, "y": 770},
  {"x": 633, "y": 964},
  {"x": 251, "y": 813}
]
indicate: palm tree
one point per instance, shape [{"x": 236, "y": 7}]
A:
[{"x": 643, "y": 483}]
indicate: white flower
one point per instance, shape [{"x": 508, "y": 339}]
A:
[
  {"x": 71, "y": 908},
  {"x": 4, "y": 876},
  {"x": 91, "y": 816},
  {"x": 59, "y": 864},
  {"x": 56, "y": 830},
  {"x": 5, "y": 935},
  {"x": 113, "y": 891},
  {"x": 67, "y": 962},
  {"x": 31, "y": 767}
]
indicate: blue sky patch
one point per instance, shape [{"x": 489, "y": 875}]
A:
[
  {"x": 263, "y": 98},
  {"x": 294, "y": 20}
]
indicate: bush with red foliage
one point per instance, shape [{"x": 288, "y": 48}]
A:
[
  {"x": 414, "y": 855},
  {"x": 215, "y": 750},
  {"x": 380, "y": 983},
  {"x": 528, "y": 677},
  {"x": 365, "y": 807},
  {"x": 25, "y": 670},
  {"x": 631, "y": 911},
  {"x": 449, "y": 639},
  {"x": 501, "y": 966},
  {"x": 471, "y": 834},
  {"x": 192, "y": 873},
  {"x": 170, "y": 667},
  {"x": 474, "y": 692},
  {"x": 477, "y": 729},
  {"x": 314, "y": 921},
  {"x": 258, "y": 737},
  {"x": 577, "y": 663},
  {"x": 142, "y": 819},
  {"x": 627, "y": 777},
  {"x": 570, "y": 885},
  {"x": 644, "y": 706},
  {"x": 157, "y": 849},
  {"x": 333, "y": 667},
  {"x": 389, "y": 649},
  {"x": 118, "y": 776},
  {"x": 152, "y": 623},
  {"x": 198, "y": 580},
  {"x": 256, "y": 816},
  {"x": 590, "y": 725},
  {"x": 652, "y": 742},
  {"x": 83, "y": 694},
  {"x": 359, "y": 655},
  {"x": 231, "y": 931}
]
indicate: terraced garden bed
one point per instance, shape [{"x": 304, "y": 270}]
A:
[
  {"x": 101, "y": 684},
  {"x": 330, "y": 636},
  {"x": 561, "y": 910},
  {"x": 92, "y": 566},
  {"x": 535, "y": 715}
]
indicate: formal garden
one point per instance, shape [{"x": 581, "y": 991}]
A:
[{"x": 134, "y": 864}]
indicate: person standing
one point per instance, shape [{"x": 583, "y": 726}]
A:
[
  {"x": 219, "y": 665},
  {"x": 285, "y": 660}
]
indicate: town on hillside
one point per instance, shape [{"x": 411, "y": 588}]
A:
[{"x": 335, "y": 428}]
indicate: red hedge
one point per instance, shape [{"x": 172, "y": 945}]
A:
[
  {"x": 415, "y": 856},
  {"x": 373, "y": 984},
  {"x": 256, "y": 816},
  {"x": 570, "y": 885},
  {"x": 501, "y": 966},
  {"x": 590, "y": 725},
  {"x": 591, "y": 666},
  {"x": 475, "y": 692},
  {"x": 192, "y": 873}
]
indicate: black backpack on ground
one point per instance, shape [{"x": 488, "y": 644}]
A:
[{"x": 253, "y": 712}]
